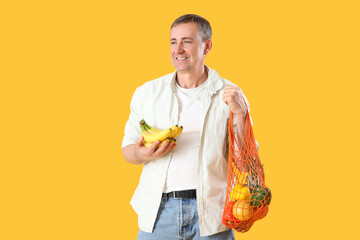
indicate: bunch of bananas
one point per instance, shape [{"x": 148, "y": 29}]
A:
[
  {"x": 240, "y": 176},
  {"x": 152, "y": 134}
]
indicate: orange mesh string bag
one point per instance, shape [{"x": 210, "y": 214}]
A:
[{"x": 247, "y": 197}]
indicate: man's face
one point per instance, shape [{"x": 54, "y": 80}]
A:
[{"x": 187, "y": 50}]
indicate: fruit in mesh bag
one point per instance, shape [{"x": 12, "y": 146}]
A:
[
  {"x": 240, "y": 176},
  {"x": 229, "y": 219},
  {"x": 151, "y": 134},
  {"x": 260, "y": 196},
  {"x": 240, "y": 192},
  {"x": 242, "y": 210}
]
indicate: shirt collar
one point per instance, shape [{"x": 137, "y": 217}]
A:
[{"x": 214, "y": 85}]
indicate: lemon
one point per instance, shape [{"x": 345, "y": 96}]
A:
[
  {"x": 240, "y": 192},
  {"x": 235, "y": 192}
]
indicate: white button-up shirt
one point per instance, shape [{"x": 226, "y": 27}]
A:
[{"x": 155, "y": 101}]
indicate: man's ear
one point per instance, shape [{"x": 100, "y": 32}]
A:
[{"x": 208, "y": 46}]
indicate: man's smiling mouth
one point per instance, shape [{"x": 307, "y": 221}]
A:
[{"x": 181, "y": 58}]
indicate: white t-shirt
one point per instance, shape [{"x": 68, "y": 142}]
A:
[{"x": 182, "y": 171}]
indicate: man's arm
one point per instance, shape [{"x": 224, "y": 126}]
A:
[
  {"x": 240, "y": 124},
  {"x": 235, "y": 99},
  {"x": 139, "y": 154}
]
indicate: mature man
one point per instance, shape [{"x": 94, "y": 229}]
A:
[{"x": 182, "y": 188}]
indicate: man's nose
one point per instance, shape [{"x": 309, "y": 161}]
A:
[{"x": 180, "y": 48}]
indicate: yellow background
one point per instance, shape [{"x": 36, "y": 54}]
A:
[{"x": 69, "y": 68}]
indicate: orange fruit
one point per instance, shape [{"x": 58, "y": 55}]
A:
[{"x": 242, "y": 210}]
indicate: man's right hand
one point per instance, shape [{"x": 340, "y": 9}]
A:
[
  {"x": 152, "y": 153},
  {"x": 139, "y": 154}
]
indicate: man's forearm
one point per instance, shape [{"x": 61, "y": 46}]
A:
[
  {"x": 240, "y": 131},
  {"x": 240, "y": 123}
]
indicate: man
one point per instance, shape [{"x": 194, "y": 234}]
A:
[{"x": 182, "y": 188}]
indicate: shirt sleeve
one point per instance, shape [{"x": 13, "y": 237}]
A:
[{"x": 132, "y": 128}]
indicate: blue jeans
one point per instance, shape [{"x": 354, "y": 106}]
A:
[{"x": 177, "y": 219}]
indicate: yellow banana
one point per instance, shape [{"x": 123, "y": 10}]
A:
[
  {"x": 147, "y": 144},
  {"x": 175, "y": 127},
  {"x": 178, "y": 132},
  {"x": 151, "y": 136},
  {"x": 152, "y": 130},
  {"x": 149, "y": 129},
  {"x": 241, "y": 177}
]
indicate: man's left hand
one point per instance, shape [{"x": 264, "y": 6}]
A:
[{"x": 232, "y": 96}]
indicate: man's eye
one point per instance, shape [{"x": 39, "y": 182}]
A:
[
  {"x": 172, "y": 42},
  {"x": 187, "y": 42}
]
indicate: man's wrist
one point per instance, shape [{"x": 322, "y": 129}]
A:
[{"x": 138, "y": 156}]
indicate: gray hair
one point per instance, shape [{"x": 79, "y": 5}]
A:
[{"x": 203, "y": 24}]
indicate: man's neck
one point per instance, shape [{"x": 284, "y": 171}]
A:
[{"x": 191, "y": 80}]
